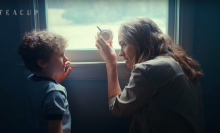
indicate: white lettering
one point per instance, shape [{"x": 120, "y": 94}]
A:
[
  {"x": 15, "y": 13},
  {"x": 28, "y": 13},
  {"x": 7, "y": 12},
  {"x": 21, "y": 12},
  {"x": 35, "y": 12}
]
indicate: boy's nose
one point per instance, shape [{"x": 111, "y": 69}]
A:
[{"x": 66, "y": 59}]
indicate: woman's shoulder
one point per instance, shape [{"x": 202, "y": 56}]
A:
[
  {"x": 161, "y": 62},
  {"x": 160, "y": 66}
]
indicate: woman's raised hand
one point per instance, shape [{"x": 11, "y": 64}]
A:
[{"x": 106, "y": 50}]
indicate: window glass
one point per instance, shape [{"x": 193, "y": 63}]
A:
[{"x": 76, "y": 20}]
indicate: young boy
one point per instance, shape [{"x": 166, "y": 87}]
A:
[{"x": 48, "y": 108}]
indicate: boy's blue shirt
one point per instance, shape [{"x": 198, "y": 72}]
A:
[{"x": 47, "y": 100}]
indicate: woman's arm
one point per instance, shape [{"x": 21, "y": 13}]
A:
[
  {"x": 134, "y": 96},
  {"x": 113, "y": 84},
  {"x": 108, "y": 54}
]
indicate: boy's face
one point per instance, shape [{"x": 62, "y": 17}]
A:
[{"x": 56, "y": 63}]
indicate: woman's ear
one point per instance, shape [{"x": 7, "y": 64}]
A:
[{"x": 41, "y": 63}]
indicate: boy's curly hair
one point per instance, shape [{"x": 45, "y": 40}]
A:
[{"x": 40, "y": 45}]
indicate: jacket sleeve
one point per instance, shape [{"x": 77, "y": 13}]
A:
[{"x": 135, "y": 95}]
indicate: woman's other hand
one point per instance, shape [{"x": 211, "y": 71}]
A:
[
  {"x": 106, "y": 51},
  {"x": 62, "y": 76}
]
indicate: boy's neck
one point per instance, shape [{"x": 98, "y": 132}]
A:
[{"x": 46, "y": 74}]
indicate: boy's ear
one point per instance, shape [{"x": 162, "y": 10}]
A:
[{"x": 41, "y": 63}]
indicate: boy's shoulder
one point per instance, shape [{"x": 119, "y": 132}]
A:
[{"x": 47, "y": 84}]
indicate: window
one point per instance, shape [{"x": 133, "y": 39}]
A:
[{"x": 76, "y": 20}]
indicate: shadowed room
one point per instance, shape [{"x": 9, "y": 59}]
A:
[{"x": 192, "y": 24}]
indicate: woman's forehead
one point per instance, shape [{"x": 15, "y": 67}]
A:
[{"x": 120, "y": 39}]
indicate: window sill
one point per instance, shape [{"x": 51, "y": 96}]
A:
[
  {"x": 90, "y": 71},
  {"x": 95, "y": 71},
  {"x": 92, "y": 64}
]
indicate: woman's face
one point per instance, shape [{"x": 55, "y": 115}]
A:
[{"x": 127, "y": 51}]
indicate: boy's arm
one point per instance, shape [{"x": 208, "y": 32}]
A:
[
  {"x": 55, "y": 126},
  {"x": 53, "y": 109}
]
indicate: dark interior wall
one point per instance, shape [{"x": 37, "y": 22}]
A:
[
  {"x": 11, "y": 81},
  {"x": 88, "y": 99},
  {"x": 89, "y": 108},
  {"x": 206, "y": 46}
]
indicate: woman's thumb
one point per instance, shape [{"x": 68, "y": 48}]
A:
[{"x": 111, "y": 43}]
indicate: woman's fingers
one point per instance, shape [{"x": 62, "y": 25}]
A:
[
  {"x": 99, "y": 44},
  {"x": 102, "y": 40},
  {"x": 111, "y": 43},
  {"x": 99, "y": 40},
  {"x": 96, "y": 43}
]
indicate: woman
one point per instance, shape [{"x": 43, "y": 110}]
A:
[{"x": 163, "y": 92}]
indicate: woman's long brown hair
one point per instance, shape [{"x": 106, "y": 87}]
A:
[{"x": 149, "y": 42}]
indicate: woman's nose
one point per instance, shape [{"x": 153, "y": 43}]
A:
[{"x": 121, "y": 53}]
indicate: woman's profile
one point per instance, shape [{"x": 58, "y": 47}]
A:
[{"x": 163, "y": 92}]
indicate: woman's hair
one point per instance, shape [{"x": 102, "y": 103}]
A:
[
  {"x": 149, "y": 42},
  {"x": 40, "y": 45}
]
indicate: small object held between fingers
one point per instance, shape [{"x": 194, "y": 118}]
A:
[{"x": 99, "y": 28}]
